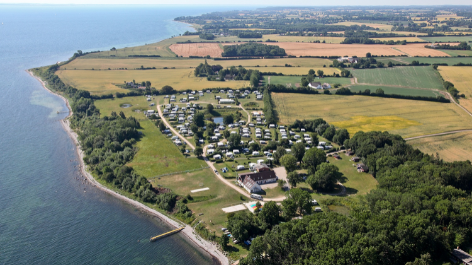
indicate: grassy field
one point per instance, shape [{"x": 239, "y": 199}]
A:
[
  {"x": 451, "y": 147},
  {"x": 397, "y": 90},
  {"x": 104, "y": 82},
  {"x": 461, "y": 77},
  {"x": 408, "y": 76},
  {"x": 447, "y": 38},
  {"x": 157, "y": 155},
  {"x": 408, "y": 39},
  {"x": 405, "y": 117},
  {"x": 355, "y": 182},
  {"x": 292, "y": 80},
  {"x": 458, "y": 52},
  {"x": 430, "y": 60}
]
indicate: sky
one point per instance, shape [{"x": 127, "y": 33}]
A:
[{"x": 244, "y": 3}]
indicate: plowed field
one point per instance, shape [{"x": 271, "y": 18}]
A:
[{"x": 197, "y": 49}]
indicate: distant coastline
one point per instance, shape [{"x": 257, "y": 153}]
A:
[{"x": 206, "y": 246}]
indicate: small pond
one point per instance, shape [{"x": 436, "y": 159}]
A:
[
  {"x": 126, "y": 105},
  {"x": 218, "y": 120}
]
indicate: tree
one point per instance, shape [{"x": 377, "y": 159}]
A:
[
  {"x": 234, "y": 140},
  {"x": 228, "y": 119},
  {"x": 298, "y": 150},
  {"x": 297, "y": 202},
  {"x": 320, "y": 72},
  {"x": 254, "y": 80},
  {"x": 311, "y": 72},
  {"x": 289, "y": 162},
  {"x": 340, "y": 136},
  {"x": 224, "y": 240},
  {"x": 198, "y": 151},
  {"x": 199, "y": 119},
  {"x": 435, "y": 66},
  {"x": 368, "y": 55},
  {"x": 270, "y": 213},
  {"x": 226, "y": 134},
  {"x": 304, "y": 82},
  {"x": 279, "y": 152},
  {"x": 312, "y": 158},
  {"x": 329, "y": 133},
  {"x": 162, "y": 126},
  {"x": 294, "y": 178},
  {"x": 325, "y": 177},
  {"x": 210, "y": 108},
  {"x": 254, "y": 147},
  {"x": 379, "y": 91},
  {"x": 167, "y": 90},
  {"x": 389, "y": 64}
]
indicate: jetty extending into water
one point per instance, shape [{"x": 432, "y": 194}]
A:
[{"x": 166, "y": 234}]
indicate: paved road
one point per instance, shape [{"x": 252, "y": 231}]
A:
[{"x": 172, "y": 129}]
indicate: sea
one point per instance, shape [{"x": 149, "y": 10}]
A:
[{"x": 47, "y": 214}]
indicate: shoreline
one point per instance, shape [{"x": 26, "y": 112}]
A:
[{"x": 206, "y": 246}]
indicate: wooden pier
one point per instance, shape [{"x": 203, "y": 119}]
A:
[{"x": 166, "y": 234}]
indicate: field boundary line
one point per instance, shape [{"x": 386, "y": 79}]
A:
[{"x": 437, "y": 134}]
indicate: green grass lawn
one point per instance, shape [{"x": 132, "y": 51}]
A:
[
  {"x": 292, "y": 80},
  {"x": 397, "y": 90},
  {"x": 458, "y": 52},
  {"x": 430, "y": 60},
  {"x": 408, "y": 76},
  {"x": 447, "y": 38},
  {"x": 355, "y": 182}
]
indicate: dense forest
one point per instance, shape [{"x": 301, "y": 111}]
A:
[
  {"x": 420, "y": 211},
  {"x": 252, "y": 49}
]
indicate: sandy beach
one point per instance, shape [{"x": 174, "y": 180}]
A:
[{"x": 209, "y": 247}]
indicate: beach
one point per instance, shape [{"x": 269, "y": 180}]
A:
[{"x": 209, "y": 247}]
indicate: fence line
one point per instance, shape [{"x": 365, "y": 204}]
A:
[{"x": 179, "y": 172}]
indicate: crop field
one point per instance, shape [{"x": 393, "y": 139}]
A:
[
  {"x": 408, "y": 39},
  {"x": 397, "y": 90},
  {"x": 447, "y": 38},
  {"x": 186, "y": 63},
  {"x": 405, "y": 117},
  {"x": 406, "y": 76},
  {"x": 458, "y": 52},
  {"x": 150, "y": 161},
  {"x": 294, "y": 80},
  {"x": 279, "y": 38},
  {"x": 197, "y": 49},
  {"x": 451, "y": 147},
  {"x": 461, "y": 77},
  {"x": 103, "y": 82},
  {"x": 419, "y": 50},
  {"x": 374, "y": 25},
  {"x": 400, "y": 32},
  {"x": 430, "y": 60}
]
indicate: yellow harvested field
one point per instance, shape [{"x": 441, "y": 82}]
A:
[
  {"x": 451, "y": 147},
  {"x": 103, "y": 82},
  {"x": 400, "y": 116},
  {"x": 186, "y": 63},
  {"x": 197, "y": 49},
  {"x": 420, "y": 50},
  {"x": 408, "y": 39},
  {"x": 447, "y": 17},
  {"x": 379, "y": 26},
  {"x": 461, "y": 77}
]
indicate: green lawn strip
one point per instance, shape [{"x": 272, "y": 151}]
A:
[
  {"x": 284, "y": 80},
  {"x": 447, "y": 38},
  {"x": 458, "y": 52},
  {"x": 408, "y": 76},
  {"x": 396, "y": 90},
  {"x": 431, "y": 60}
]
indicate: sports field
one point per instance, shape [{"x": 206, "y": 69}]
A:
[
  {"x": 104, "y": 82},
  {"x": 397, "y": 90},
  {"x": 405, "y": 117},
  {"x": 451, "y": 147},
  {"x": 461, "y": 77},
  {"x": 406, "y": 76}
]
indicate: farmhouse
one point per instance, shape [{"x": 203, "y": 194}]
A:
[
  {"x": 315, "y": 85},
  {"x": 347, "y": 59},
  {"x": 252, "y": 181},
  {"x": 326, "y": 86}
]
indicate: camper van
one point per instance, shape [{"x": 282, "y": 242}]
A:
[{"x": 256, "y": 196}]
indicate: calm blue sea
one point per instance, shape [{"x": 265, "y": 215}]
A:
[{"x": 45, "y": 215}]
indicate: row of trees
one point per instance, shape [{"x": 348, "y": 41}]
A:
[
  {"x": 419, "y": 212},
  {"x": 252, "y": 49}
]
